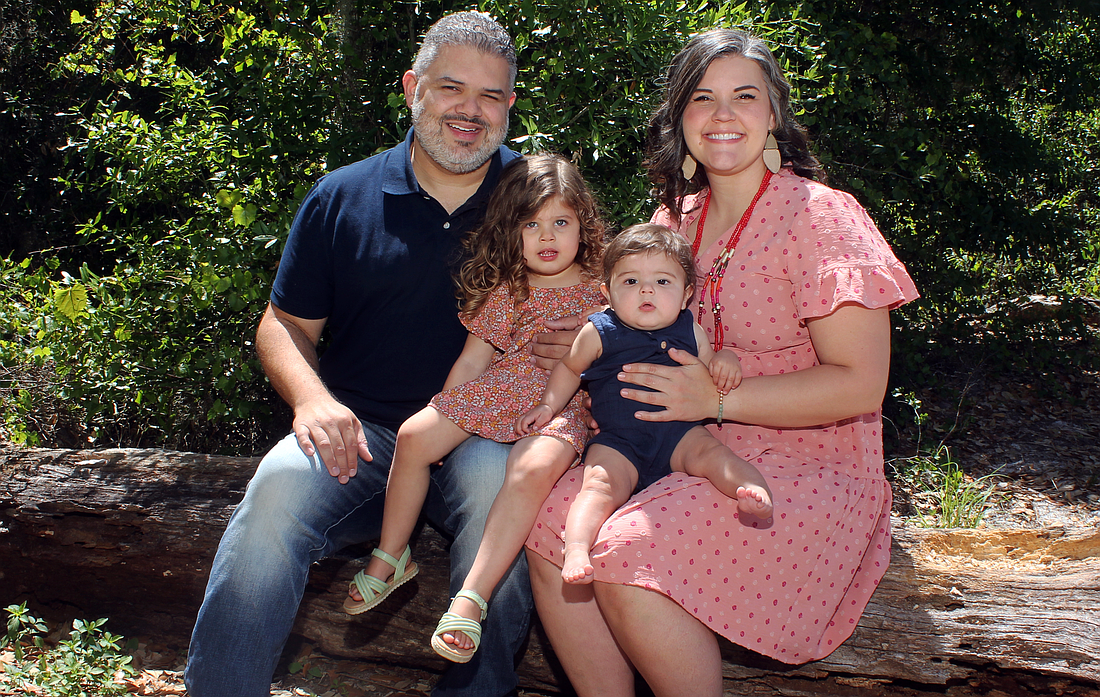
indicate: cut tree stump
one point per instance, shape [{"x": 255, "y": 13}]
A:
[{"x": 130, "y": 535}]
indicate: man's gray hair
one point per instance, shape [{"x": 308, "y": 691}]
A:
[{"x": 475, "y": 29}]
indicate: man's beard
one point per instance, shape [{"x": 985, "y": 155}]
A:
[{"x": 455, "y": 158}]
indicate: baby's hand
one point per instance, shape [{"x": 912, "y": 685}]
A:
[
  {"x": 534, "y": 420},
  {"x": 725, "y": 370}
]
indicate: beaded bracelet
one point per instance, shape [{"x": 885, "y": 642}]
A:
[{"x": 721, "y": 398}]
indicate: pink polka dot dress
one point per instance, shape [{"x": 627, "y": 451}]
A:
[
  {"x": 791, "y": 587},
  {"x": 489, "y": 405}
]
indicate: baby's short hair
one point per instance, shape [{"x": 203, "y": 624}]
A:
[{"x": 645, "y": 239}]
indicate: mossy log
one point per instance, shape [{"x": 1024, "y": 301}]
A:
[{"x": 130, "y": 535}]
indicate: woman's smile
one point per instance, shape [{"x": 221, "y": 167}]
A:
[{"x": 726, "y": 123}]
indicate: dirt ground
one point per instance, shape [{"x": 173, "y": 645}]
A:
[{"x": 1036, "y": 437}]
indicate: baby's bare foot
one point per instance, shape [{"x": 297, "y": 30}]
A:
[
  {"x": 577, "y": 567},
  {"x": 755, "y": 500}
]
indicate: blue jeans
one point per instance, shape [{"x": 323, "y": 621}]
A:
[{"x": 295, "y": 513}]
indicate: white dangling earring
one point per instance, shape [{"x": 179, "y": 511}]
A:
[
  {"x": 689, "y": 167},
  {"x": 773, "y": 159}
]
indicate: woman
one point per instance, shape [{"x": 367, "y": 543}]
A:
[{"x": 799, "y": 283}]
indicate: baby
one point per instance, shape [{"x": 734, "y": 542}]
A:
[{"x": 648, "y": 280}]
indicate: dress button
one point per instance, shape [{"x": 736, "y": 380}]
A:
[
  {"x": 446, "y": 226},
  {"x": 664, "y": 345}
]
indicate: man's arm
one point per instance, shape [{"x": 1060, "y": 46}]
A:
[{"x": 287, "y": 347}]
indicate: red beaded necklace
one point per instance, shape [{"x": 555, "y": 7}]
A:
[{"x": 713, "y": 280}]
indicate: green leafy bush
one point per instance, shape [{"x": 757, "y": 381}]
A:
[
  {"x": 87, "y": 664},
  {"x": 179, "y": 136}
]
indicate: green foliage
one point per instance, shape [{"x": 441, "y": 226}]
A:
[
  {"x": 86, "y": 664},
  {"x": 589, "y": 79},
  {"x": 964, "y": 129},
  {"x": 196, "y": 178},
  {"x": 942, "y": 495},
  {"x": 173, "y": 140},
  {"x": 22, "y": 627}
]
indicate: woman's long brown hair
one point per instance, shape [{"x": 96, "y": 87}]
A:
[{"x": 666, "y": 146}]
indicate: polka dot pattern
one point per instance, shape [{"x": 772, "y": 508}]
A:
[{"x": 791, "y": 587}]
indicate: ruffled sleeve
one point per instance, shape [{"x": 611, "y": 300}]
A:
[
  {"x": 662, "y": 216},
  {"x": 843, "y": 258},
  {"x": 494, "y": 324}
]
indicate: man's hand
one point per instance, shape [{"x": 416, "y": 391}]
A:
[
  {"x": 551, "y": 346},
  {"x": 287, "y": 346},
  {"x": 330, "y": 430},
  {"x": 725, "y": 370}
]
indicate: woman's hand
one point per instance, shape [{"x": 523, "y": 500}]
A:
[
  {"x": 686, "y": 391},
  {"x": 853, "y": 352}
]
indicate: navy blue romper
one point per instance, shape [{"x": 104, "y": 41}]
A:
[{"x": 647, "y": 444}]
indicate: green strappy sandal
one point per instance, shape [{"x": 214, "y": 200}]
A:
[
  {"x": 375, "y": 590},
  {"x": 452, "y": 622}
]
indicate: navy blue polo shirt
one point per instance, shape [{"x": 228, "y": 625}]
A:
[{"x": 375, "y": 254}]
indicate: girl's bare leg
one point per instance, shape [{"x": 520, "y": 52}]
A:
[
  {"x": 424, "y": 439},
  {"x": 595, "y": 665},
  {"x": 609, "y": 479},
  {"x": 700, "y": 454},
  {"x": 534, "y": 465},
  {"x": 682, "y": 660}
]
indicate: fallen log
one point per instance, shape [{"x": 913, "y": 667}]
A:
[{"x": 130, "y": 535}]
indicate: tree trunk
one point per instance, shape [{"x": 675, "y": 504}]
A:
[{"x": 130, "y": 535}]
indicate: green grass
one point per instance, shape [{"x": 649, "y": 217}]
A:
[{"x": 943, "y": 495}]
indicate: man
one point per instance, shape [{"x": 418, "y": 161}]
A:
[{"x": 369, "y": 257}]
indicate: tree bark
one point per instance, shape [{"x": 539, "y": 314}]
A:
[{"x": 130, "y": 535}]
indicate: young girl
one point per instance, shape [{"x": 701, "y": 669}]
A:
[
  {"x": 649, "y": 279},
  {"x": 534, "y": 258}
]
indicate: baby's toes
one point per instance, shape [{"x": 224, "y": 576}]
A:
[{"x": 751, "y": 500}]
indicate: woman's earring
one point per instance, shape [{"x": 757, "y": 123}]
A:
[
  {"x": 773, "y": 159},
  {"x": 689, "y": 166}
]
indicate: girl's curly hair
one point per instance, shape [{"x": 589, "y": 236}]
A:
[{"x": 494, "y": 251}]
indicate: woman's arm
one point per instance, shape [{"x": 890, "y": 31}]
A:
[
  {"x": 476, "y": 356},
  {"x": 853, "y": 349}
]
